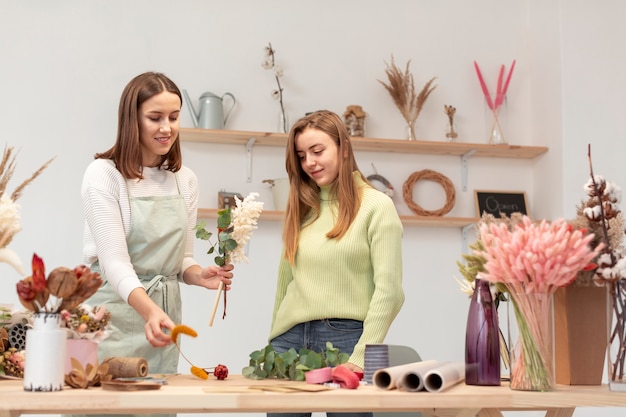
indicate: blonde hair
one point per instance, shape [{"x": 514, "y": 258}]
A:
[{"x": 304, "y": 200}]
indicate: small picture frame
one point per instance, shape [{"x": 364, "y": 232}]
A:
[
  {"x": 497, "y": 202},
  {"x": 226, "y": 199}
]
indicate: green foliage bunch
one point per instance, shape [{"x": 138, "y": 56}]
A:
[
  {"x": 292, "y": 364},
  {"x": 225, "y": 243}
]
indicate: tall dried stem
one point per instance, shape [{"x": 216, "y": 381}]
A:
[{"x": 401, "y": 88}]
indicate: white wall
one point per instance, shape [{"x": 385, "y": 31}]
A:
[{"x": 63, "y": 65}]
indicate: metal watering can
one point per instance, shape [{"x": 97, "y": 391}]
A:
[
  {"x": 280, "y": 192},
  {"x": 210, "y": 115}
]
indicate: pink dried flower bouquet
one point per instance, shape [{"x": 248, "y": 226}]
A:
[{"x": 532, "y": 260}]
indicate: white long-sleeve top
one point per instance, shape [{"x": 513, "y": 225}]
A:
[{"x": 106, "y": 208}]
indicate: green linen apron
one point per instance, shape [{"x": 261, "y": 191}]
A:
[{"x": 156, "y": 245}]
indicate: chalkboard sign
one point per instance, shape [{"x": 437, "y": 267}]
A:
[{"x": 496, "y": 202}]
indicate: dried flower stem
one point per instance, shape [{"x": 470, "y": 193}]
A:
[
  {"x": 616, "y": 289},
  {"x": 235, "y": 229},
  {"x": 216, "y": 303},
  {"x": 9, "y": 224},
  {"x": 501, "y": 91},
  {"x": 272, "y": 64},
  {"x": 401, "y": 87},
  {"x": 450, "y": 111},
  {"x": 603, "y": 219},
  {"x": 534, "y": 359}
]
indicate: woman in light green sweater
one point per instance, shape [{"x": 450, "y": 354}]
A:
[{"x": 340, "y": 275}]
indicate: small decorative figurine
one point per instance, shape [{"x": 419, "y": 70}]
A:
[{"x": 354, "y": 119}]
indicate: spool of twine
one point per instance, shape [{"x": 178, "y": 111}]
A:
[
  {"x": 121, "y": 367},
  {"x": 427, "y": 174}
]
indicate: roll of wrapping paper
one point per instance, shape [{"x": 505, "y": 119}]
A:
[
  {"x": 122, "y": 367},
  {"x": 390, "y": 378},
  {"x": 413, "y": 379},
  {"x": 444, "y": 376}
]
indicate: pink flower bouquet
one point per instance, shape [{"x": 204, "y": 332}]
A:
[{"x": 532, "y": 260}]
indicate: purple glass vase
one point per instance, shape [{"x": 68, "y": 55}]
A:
[{"x": 482, "y": 343}]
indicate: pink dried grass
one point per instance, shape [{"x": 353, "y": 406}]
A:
[{"x": 532, "y": 261}]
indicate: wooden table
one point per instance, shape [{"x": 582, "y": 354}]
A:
[{"x": 188, "y": 394}]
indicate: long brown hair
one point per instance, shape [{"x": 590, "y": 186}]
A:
[
  {"x": 304, "y": 199},
  {"x": 126, "y": 152}
]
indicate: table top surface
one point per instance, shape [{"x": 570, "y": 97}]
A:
[{"x": 188, "y": 394}]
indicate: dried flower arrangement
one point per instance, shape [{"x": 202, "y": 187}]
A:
[
  {"x": 601, "y": 215},
  {"x": 401, "y": 88},
  {"x": 450, "y": 111},
  {"x": 11, "y": 360},
  {"x": 12, "y": 341},
  {"x": 235, "y": 227},
  {"x": 532, "y": 261},
  {"x": 474, "y": 264},
  {"x": 496, "y": 135},
  {"x": 9, "y": 209},
  {"x": 269, "y": 63},
  {"x": 68, "y": 287},
  {"x": 85, "y": 322}
]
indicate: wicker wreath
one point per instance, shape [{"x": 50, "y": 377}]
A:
[{"x": 427, "y": 174}]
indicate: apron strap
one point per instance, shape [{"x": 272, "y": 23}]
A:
[{"x": 158, "y": 283}]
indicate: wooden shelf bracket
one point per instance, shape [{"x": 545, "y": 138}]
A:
[
  {"x": 249, "y": 146},
  {"x": 464, "y": 232},
  {"x": 464, "y": 168}
]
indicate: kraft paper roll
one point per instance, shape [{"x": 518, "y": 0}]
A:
[
  {"x": 390, "y": 378},
  {"x": 445, "y": 376},
  {"x": 413, "y": 378},
  {"x": 122, "y": 367}
]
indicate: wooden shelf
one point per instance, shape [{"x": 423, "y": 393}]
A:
[
  {"x": 464, "y": 150},
  {"x": 236, "y": 137},
  {"x": 425, "y": 221}
]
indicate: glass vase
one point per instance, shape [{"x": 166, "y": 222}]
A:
[
  {"x": 495, "y": 121},
  {"x": 410, "y": 131},
  {"x": 616, "y": 347},
  {"x": 283, "y": 122},
  {"x": 44, "y": 364},
  {"x": 482, "y": 343},
  {"x": 451, "y": 132},
  {"x": 532, "y": 357}
]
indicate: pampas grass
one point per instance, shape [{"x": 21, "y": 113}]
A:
[
  {"x": 9, "y": 220},
  {"x": 401, "y": 88}
]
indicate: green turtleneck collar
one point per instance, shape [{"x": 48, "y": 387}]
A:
[{"x": 325, "y": 189}]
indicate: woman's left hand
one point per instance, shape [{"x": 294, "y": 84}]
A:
[
  {"x": 211, "y": 276},
  {"x": 353, "y": 367}
]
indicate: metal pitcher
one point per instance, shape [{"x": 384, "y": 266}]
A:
[{"x": 210, "y": 114}]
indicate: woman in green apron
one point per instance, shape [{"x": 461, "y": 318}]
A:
[{"x": 140, "y": 207}]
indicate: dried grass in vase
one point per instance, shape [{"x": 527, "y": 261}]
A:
[{"x": 401, "y": 87}]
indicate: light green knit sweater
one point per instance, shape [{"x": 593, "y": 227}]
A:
[{"x": 357, "y": 277}]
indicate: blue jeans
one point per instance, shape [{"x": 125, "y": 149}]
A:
[{"x": 313, "y": 335}]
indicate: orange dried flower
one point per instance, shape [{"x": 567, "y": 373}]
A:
[
  {"x": 199, "y": 372},
  {"x": 181, "y": 328},
  {"x": 195, "y": 370}
]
